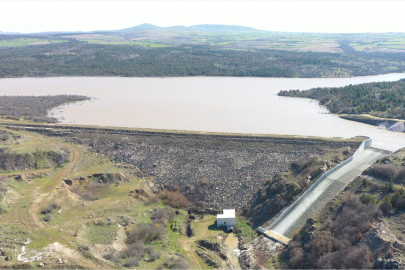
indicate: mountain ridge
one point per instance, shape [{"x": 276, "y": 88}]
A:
[{"x": 214, "y": 28}]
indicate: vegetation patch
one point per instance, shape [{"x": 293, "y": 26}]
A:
[
  {"x": 101, "y": 232},
  {"x": 20, "y": 42},
  {"x": 174, "y": 263},
  {"x": 244, "y": 229},
  {"x": 142, "y": 239},
  {"x": 34, "y": 108},
  {"x": 284, "y": 187},
  {"x": 90, "y": 192},
  {"x": 333, "y": 246},
  {"x": 48, "y": 211},
  {"x": 380, "y": 99},
  {"x": 14, "y": 161}
]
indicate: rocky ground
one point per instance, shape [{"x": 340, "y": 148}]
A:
[
  {"x": 380, "y": 239},
  {"x": 219, "y": 171}
]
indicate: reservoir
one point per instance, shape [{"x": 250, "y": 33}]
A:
[{"x": 207, "y": 104}]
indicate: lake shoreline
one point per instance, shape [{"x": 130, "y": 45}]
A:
[
  {"x": 371, "y": 120},
  {"x": 224, "y": 105},
  {"x": 29, "y": 125},
  {"x": 197, "y": 76}
]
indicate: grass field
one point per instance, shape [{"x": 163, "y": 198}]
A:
[
  {"x": 77, "y": 221},
  {"x": 126, "y": 42},
  {"x": 20, "y": 42}
]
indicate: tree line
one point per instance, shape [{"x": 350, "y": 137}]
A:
[
  {"x": 381, "y": 99},
  {"x": 75, "y": 58}
]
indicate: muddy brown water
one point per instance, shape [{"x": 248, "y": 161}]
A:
[
  {"x": 211, "y": 104},
  {"x": 231, "y": 243}
]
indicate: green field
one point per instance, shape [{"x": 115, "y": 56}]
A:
[
  {"x": 127, "y": 42},
  {"x": 21, "y": 42}
]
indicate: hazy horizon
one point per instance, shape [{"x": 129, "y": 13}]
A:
[{"x": 280, "y": 16}]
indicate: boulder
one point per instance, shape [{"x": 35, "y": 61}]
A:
[{"x": 247, "y": 259}]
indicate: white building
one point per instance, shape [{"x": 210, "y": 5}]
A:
[{"x": 227, "y": 219}]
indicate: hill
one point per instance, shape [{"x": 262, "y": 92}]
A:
[
  {"x": 200, "y": 50},
  {"x": 215, "y": 28},
  {"x": 380, "y": 99},
  {"x": 144, "y": 26}
]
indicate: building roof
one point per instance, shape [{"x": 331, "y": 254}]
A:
[{"x": 228, "y": 213}]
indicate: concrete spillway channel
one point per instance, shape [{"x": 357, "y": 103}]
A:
[{"x": 312, "y": 203}]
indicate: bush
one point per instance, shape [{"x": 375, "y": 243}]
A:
[
  {"x": 146, "y": 233},
  {"x": 153, "y": 255},
  {"x": 347, "y": 258},
  {"x": 354, "y": 219},
  {"x": 136, "y": 252},
  {"x": 175, "y": 199},
  {"x": 302, "y": 163},
  {"x": 162, "y": 215},
  {"x": 334, "y": 245},
  {"x": 136, "y": 249},
  {"x": 385, "y": 172},
  {"x": 389, "y": 186},
  {"x": 50, "y": 208},
  {"x": 131, "y": 262},
  {"x": 296, "y": 255},
  {"x": 400, "y": 175},
  {"x": 174, "y": 263},
  {"x": 88, "y": 193},
  {"x": 368, "y": 199},
  {"x": 396, "y": 200},
  {"x": 48, "y": 217}
]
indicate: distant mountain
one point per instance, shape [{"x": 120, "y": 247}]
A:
[
  {"x": 9, "y": 33},
  {"x": 144, "y": 26},
  {"x": 215, "y": 28}
]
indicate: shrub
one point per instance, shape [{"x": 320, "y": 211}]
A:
[
  {"x": 131, "y": 262},
  {"x": 88, "y": 193},
  {"x": 146, "y": 233},
  {"x": 136, "y": 252},
  {"x": 389, "y": 186},
  {"x": 296, "y": 256},
  {"x": 153, "y": 255},
  {"x": 386, "y": 205},
  {"x": 302, "y": 163},
  {"x": 347, "y": 258},
  {"x": 322, "y": 243},
  {"x": 400, "y": 175},
  {"x": 334, "y": 245},
  {"x": 162, "y": 215},
  {"x": 48, "y": 217},
  {"x": 175, "y": 199},
  {"x": 136, "y": 249},
  {"x": 368, "y": 199},
  {"x": 174, "y": 263},
  {"x": 50, "y": 208},
  {"x": 364, "y": 182},
  {"x": 385, "y": 172},
  {"x": 398, "y": 199},
  {"x": 355, "y": 218}
]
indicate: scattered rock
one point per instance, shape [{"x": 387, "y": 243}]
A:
[
  {"x": 21, "y": 177},
  {"x": 247, "y": 259}
]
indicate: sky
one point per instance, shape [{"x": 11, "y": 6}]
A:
[{"x": 325, "y": 16}]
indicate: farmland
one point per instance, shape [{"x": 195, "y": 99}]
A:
[{"x": 200, "y": 51}]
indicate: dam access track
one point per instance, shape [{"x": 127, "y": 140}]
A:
[{"x": 315, "y": 199}]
